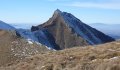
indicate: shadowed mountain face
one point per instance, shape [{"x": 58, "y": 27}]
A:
[{"x": 68, "y": 31}]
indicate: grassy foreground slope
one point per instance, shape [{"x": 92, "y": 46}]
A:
[
  {"x": 14, "y": 48},
  {"x": 101, "y": 57}
]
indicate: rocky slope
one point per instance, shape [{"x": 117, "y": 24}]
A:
[
  {"x": 68, "y": 31},
  {"x": 13, "y": 47},
  {"x": 100, "y": 57}
]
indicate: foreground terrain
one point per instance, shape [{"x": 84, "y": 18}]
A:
[
  {"x": 101, "y": 57},
  {"x": 13, "y": 47}
]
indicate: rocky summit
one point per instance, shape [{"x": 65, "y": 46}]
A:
[{"x": 64, "y": 30}]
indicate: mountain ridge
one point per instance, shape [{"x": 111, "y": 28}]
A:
[
  {"x": 62, "y": 22},
  {"x": 6, "y": 26}
]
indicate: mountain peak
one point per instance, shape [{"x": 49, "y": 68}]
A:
[
  {"x": 68, "y": 31},
  {"x": 65, "y": 15},
  {"x": 58, "y": 11}
]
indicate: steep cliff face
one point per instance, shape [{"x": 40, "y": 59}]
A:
[{"x": 68, "y": 31}]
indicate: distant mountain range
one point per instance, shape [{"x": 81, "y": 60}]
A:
[
  {"x": 112, "y": 30},
  {"x": 23, "y": 25}
]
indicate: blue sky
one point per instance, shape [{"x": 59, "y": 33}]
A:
[{"x": 38, "y": 11}]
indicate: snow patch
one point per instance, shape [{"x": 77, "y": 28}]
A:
[
  {"x": 30, "y": 41},
  {"x": 94, "y": 60},
  {"x": 113, "y": 58},
  {"x": 111, "y": 50}
]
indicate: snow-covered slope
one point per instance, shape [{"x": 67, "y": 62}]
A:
[{"x": 6, "y": 26}]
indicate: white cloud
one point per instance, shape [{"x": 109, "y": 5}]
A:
[{"x": 110, "y": 5}]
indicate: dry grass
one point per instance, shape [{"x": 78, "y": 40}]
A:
[
  {"x": 14, "y": 48},
  {"x": 101, "y": 57}
]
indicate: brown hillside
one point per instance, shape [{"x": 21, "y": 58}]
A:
[
  {"x": 14, "y": 48},
  {"x": 101, "y": 57}
]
